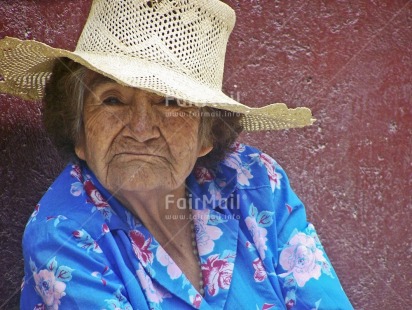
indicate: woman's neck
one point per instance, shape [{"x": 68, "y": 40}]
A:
[{"x": 166, "y": 215}]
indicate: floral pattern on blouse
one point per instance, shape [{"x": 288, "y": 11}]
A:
[
  {"x": 256, "y": 223},
  {"x": 303, "y": 258},
  {"x": 84, "y": 250},
  {"x": 50, "y": 283},
  {"x": 206, "y": 234}
]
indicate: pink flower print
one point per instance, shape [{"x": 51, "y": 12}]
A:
[
  {"x": 302, "y": 258},
  {"x": 215, "y": 190},
  {"x": 119, "y": 302},
  {"x": 95, "y": 196},
  {"x": 243, "y": 176},
  {"x": 290, "y": 304},
  {"x": 77, "y": 189},
  {"x": 205, "y": 234},
  {"x": 238, "y": 147},
  {"x": 49, "y": 289},
  {"x": 196, "y": 300},
  {"x": 173, "y": 270},
  {"x": 154, "y": 293},
  {"x": 105, "y": 229},
  {"x": 258, "y": 234},
  {"x": 76, "y": 173},
  {"x": 49, "y": 283},
  {"x": 243, "y": 173},
  {"x": 85, "y": 241},
  {"x": 141, "y": 247},
  {"x": 260, "y": 271},
  {"x": 217, "y": 274},
  {"x": 256, "y": 223},
  {"x": 249, "y": 246},
  {"x": 274, "y": 177},
  {"x": 99, "y": 275},
  {"x": 203, "y": 175}
]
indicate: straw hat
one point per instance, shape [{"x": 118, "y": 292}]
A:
[{"x": 171, "y": 47}]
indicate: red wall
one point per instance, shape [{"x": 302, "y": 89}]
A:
[{"x": 350, "y": 61}]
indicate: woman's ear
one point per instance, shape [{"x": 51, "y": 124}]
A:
[
  {"x": 79, "y": 148},
  {"x": 206, "y": 147},
  {"x": 205, "y": 135}
]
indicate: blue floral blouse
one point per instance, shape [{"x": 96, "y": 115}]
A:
[{"x": 84, "y": 250}]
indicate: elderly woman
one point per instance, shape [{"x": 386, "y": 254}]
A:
[{"x": 160, "y": 208}]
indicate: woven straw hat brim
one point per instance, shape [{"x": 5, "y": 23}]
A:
[{"x": 26, "y": 66}]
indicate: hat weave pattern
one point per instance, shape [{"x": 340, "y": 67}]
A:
[{"x": 171, "y": 47}]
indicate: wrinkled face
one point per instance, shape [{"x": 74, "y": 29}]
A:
[{"x": 135, "y": 140}]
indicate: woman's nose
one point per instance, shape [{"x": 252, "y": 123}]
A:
[{"x": 144, "y": 123}]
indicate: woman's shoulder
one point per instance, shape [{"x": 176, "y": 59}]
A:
[
  {"x": 254, "y": 168},
  {"x": 262, "y": 183},
  {"x": 66, "y": 200}
]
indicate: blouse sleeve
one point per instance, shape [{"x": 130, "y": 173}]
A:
[
  {"x": 65, "y": 268},
  {"x": 306, "y": 276}
]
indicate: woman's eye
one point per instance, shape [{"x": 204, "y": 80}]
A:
[{"x": 112, "y": 101}]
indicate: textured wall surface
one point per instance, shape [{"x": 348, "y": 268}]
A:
[{"x": 349, "y": 61}]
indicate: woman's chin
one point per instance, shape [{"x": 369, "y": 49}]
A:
[{"x": 140, "y": 181}]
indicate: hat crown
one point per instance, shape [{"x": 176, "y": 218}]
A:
[
  {"x": 185, "y": 36},
  {"x": 170, "y": 47}
]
